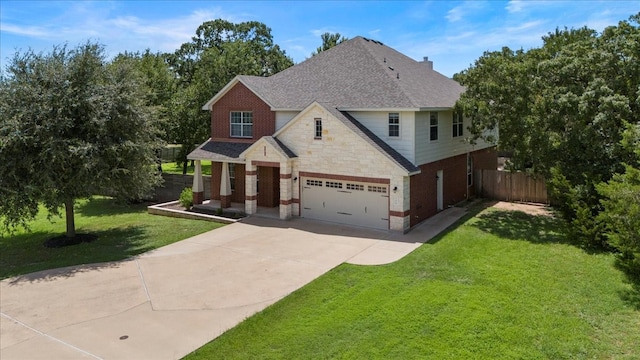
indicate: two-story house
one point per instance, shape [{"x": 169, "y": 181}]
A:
[{"x": 358, "y": 134}]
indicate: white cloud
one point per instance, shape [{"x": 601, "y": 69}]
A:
[
  {"x": 455, "y": 14},
  {"x": 515, "y": 6},
  {"x": 30, "y": 31}
]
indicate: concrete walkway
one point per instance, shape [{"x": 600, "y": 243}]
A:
[{"x": 170, "y": 301}]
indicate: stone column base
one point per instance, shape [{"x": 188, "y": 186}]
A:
[
  {"x": 225, "y": 201},
  {"x": 198, "y": 197}
]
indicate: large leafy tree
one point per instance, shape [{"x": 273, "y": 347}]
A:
[
  {"x": 219, "y": 51},
  {"x": 562, "y": 110},
  {"x": 329, "y": 40},
  {"x": 72, "y": 125}
]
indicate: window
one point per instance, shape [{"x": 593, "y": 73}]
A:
[
  {"x": 232, "y": 176},
  {"x": 433, "y": 127},
  {"x": 457, "y": 124},
  {"x": 241, "y": 124},
  {"x": 377, "y": 189},
  {"x": 394, "y": 124},
  {"x": 469, "y": 170},
  {"x": 314, "y": 183},
  {"x": 318, "y": 129},
  {"x": 358, "y": 187},
  {"x": 333, "y": 184}
]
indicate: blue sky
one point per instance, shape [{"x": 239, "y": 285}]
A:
[{"x": 451, "y": 33}]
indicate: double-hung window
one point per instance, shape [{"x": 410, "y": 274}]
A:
[
  {"x": 394, "y": 124},
  {"x": 433, "y": 126},
  {"x": 242, "y": 124},
  {"x": 457, "y": 124}
]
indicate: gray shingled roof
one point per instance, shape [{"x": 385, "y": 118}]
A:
[
  {"x": 218, "y": 151},
  {"x": 358, "y": 74}
]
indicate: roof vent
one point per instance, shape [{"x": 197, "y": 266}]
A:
[
  {"x": 365, "y": 39},
  {"x": 390, "y": 68},
  {"x": 398, "y": 76},
  {"x": 385, "y": 60}
]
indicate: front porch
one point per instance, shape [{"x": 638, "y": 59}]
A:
[{"x": 255, "y": 179}]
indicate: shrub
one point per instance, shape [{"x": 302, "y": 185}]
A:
[{"x": 186, "y": 198}]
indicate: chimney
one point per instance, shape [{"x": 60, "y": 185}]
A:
[{"x": 427, "y": 62}]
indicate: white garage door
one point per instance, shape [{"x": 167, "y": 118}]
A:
[{"x": 346, "y": 202}]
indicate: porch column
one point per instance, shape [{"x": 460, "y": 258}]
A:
[
  {"x": 225, "y": 187},
  {"x": 286, "y": 191},
  {"x": 198, "y": 184},
  {"x": 250, "y": 188}
]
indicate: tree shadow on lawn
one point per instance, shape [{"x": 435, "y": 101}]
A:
[
  {"x": 518, "y": 225},
  {"x": 109, "y": 250},
  {"x": 105, "y": 206}
]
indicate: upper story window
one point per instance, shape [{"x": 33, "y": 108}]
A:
[
  {"x": 457, "y": 124},
  {"x": 242, "y": 124},
  {"x": 394, "y": 124},
  {"x": 318, "y": 128},
  {"x": 433, "y": 126}
]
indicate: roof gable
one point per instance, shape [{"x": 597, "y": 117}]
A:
[
  {"x": 273, "y": 144},
  {"x": 228, "y": 87},
  {"x": 361, "y": 131}
]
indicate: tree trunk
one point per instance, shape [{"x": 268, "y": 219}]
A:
[
  {"x": 71, "y": 225},
  {"x": 185, "y": 163}
]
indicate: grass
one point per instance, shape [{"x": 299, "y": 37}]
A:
[
  {"x": 123, "y": 231},
  {"x": 173, "y": 168},
  {"x": 502, "y": 285}
]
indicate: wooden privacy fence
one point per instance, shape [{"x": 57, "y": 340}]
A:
[{"x": 508, "y": 186}]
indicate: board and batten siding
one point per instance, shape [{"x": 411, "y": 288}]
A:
[
  {"x": 283, "y": 117},
  {"x": 446, "y": 146},
  {"x": 378, "y": 123}
]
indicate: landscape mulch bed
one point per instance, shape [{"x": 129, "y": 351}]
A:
[{"x": 63, "y": 240}]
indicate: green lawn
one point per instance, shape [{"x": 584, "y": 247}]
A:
[
  {"x": 123, "y": 231},
  {"x": 502, "y": 285},
  {"x": 173, "y": 168}
]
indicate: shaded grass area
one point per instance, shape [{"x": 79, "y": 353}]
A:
[
  {"x": 174, "y": 168},
  {"x": 502, "y": 285},
  {"x": 122, "y": 231}
]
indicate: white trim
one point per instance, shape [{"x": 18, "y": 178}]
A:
[
  {"x": 379, "y": 109},
  {"x": 226, "y": 89}
]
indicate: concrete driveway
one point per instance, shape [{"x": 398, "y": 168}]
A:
[{"x": 170, "y": 301}]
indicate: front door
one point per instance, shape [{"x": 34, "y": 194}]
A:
[{"x": 268, "y": 186}]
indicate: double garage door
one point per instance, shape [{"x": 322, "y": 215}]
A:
[{"x": 346, "y": 202}]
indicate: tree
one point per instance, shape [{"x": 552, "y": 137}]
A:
[
  {"x": 621, "y": 209},
  {"x": 329, "y": 40},
  {"x": 72, "y": 125},
  {"x": 562, "y": 110},
  {"x": 220, "y": 51},
  {"x": 159, "y": 85}
]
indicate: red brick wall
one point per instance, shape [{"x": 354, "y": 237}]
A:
[
  {"x": 423, "y": 187},
  {"x": 216, "y": 172},
  {"x": 238, "y": 194},
  {"x": 240, "y": 98}
]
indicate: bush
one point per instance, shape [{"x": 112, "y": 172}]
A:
[{"x": 186, "y": 198}]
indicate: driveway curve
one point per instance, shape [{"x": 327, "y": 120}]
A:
[{"x": 170, "y": 301}]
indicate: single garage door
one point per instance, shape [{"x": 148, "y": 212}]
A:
[{"x": 346, "y": 202}]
